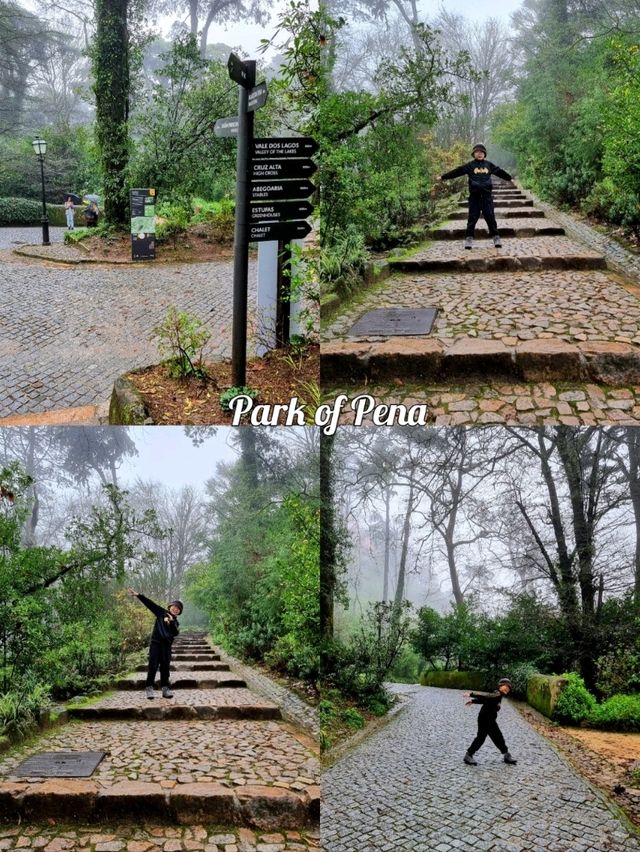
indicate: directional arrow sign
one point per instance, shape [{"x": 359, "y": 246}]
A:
[
  {"x": 294, "y": 146},
  {"x": 279, "y": 169},
  {"x": 238, "y": 70},
  {"x": 284, "y": 189},
  {"x": 278, "y": 231},
  {"x": 226, "y": 126},
  {"x": 280, "y": 210},
  {"x": 257, "y": 97}
]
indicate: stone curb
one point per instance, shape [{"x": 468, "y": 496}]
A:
[
  {"x": 195, "y": 667},
  {"x": 538, "y": 360},
  {"x": 507, "y": 213},
  {"x": 255, "y": 806},
  {"x": 245, "y": 712},
  {"x": 127, "y": 407},
  {"x": 292, "y": 707},
  {"x": 500, "y": 263},
  {"x": 52, "y": 259}
]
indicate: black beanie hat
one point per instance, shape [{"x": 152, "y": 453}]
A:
[
  {"x": 479, "y": 147},
  {"x": 178, "y": 603}
]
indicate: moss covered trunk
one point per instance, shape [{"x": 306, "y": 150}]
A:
[{"x": 111, "y": 75}]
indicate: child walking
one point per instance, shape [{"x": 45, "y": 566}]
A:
[
  {"x": 479, "y": 171},
  {"x": 488, "y": 721},
  {"x": 164, "y": 632}
]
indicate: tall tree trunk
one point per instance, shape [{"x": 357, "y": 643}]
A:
[
  {"x": 406, "y": 532},
  {"x": 387, "y": 543},
  {"x": 328, "y": 572},
  {"x": 111, "y": 75},
  {"x": 632, "y": 435}
]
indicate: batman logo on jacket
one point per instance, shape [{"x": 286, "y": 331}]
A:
[{"x": 478, "y": 171}]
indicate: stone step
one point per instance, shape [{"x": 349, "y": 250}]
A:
[
  {"x": 192, "y": 667},
  {"x": 513, "y": 213},
  {"x": 218, "y": 703},
  {"x": 253, "y": 806},
  {"x": 187, "y": 680},
  {"x": 434, "y": 361},
  {"x": 516, "y": 228},
  {"x": 532, "y": 254},
  {"x": 509, "y": 202},
  {"x": 196, "y": 658}
]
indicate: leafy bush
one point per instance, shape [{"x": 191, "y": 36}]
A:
[
  {"x": 519, "y": 676},
  {"x": 173, "y": 220},
  {"x": 618, "y": 713},
  {"x": 618, "y": 672},
  {"x": 182, "y": 337},
  {"x": 575, "y": 704},
  {"x": 19, "y": 211},
  {"x": 231, "y": 393},
  {"x": 352, "y": 718},
  {"x": 20, "y": 708},
  {"x": 219, "y": 216},
  {"x": 341, "y": 265}
]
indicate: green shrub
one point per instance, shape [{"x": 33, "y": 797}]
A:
[
  {"x": 575, "y": 704},
  {"x": 219, "y": 216},
  {"x": 352, "y": 718},
  {"x": 341, "y": 266},
  {"x": 182, "y": 337},
  {"x": 618, "y": 713},
  {"x": 232, "y": 393},
  {"x": 173, "y": 220},
  {"x": 618, "y": 673},
  {"x": 20, "y": 709},
  {"x": 519, "y": 676},
  {"x": 19, "y": 211},
  {"x": 453, "y": 680}
]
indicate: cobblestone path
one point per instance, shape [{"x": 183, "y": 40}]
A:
[
  {"x": 213, "y": 755},
  {"x": 406, "y": 788},
  {"x": 67, "y": 332},
  {"x": 543, "y": 308},
  {"x": 11, "y": 237}
]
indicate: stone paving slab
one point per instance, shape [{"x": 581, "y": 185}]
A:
[
  {"x": 187, "y": 680},
  {"x": 192, "y": 667},
  {"x": 573, "y": 306},
  {"x": 533, "y": 404},
  {"x": 172, "y": 753},
  {"x": 66, "y": 334},
  {"x": 235, "y": 703},
  {"x": 407, "y": 788},
  {"x": 125, "y": 837},
  {"x": 533, "y": 253}
]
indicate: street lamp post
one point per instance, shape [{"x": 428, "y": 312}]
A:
[{"x": 40, "y": 147}]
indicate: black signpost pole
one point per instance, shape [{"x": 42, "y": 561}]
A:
[{"x": 241, "y": 236}]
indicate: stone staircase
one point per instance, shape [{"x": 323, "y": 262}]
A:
[
  {"x": 544, "y": 307},
  {"x": 213, "y": 753}
]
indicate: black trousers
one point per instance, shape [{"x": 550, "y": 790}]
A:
[
  {"x": 491, "y": 730},
  {"x": 481, "y": 203},
  {"x": 159, "y": 657}
]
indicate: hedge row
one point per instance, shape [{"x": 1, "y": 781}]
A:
[
  {"x": 453, "y": 680},
  {"x": 25, "y": 211}
]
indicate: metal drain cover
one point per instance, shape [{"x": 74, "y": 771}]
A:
[
  {"x": 60, "y": 764},
  {"x": 393, "y": 322}
]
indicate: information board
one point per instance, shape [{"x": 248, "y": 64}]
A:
[{"x": 143, "y": 224}]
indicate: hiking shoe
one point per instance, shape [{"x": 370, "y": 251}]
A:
[
  {"x": 468, "y": 759},
  {"x": 468, "y": 243},
  {"x": 508, "y": 759},
  {"x": 149, "y": 692},
  {"x": 497, "y": 241},
  {"x": 166, "y": 693}
]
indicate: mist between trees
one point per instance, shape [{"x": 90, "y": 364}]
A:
[
  {"x": 484, "y": 549},
  {"x": 242, "y": 552}
]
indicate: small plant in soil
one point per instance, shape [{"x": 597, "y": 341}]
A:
[
  {"x": 231, "y": 393},
  {"x": 181, "y": 339}
]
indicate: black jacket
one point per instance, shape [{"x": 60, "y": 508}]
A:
[
  {"x": 161, "y": 632},
  {"x": 490, "y": 705},
  {"x": 479, "y": 173}
]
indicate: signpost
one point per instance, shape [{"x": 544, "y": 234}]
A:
[
  {"x": 271, "y": 186},
  {"x": 143, "y": 224}
]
